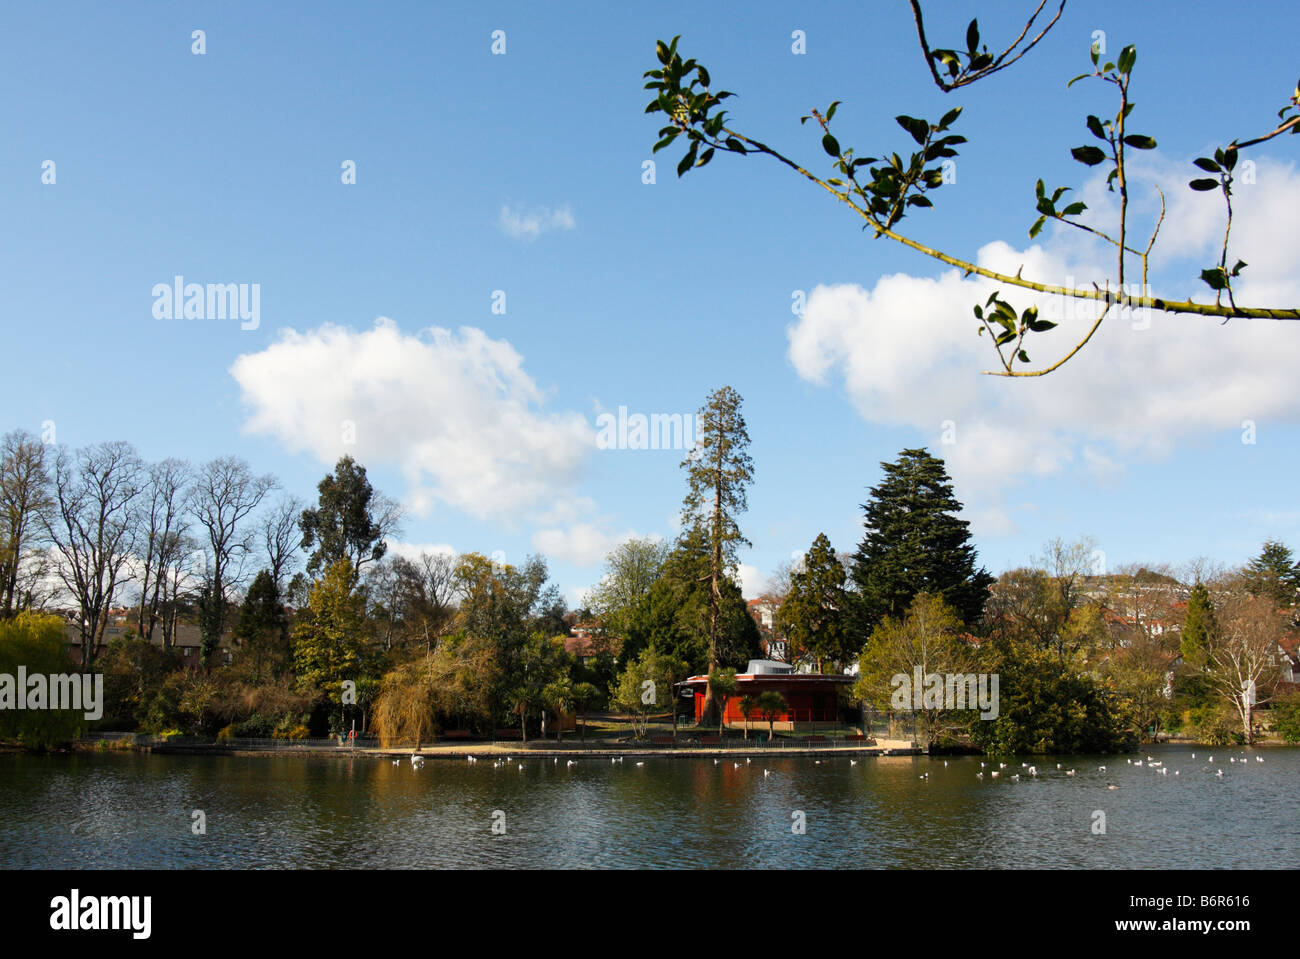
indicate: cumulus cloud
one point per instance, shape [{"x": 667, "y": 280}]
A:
[
  {"x": 906, "y": 352},
  {"x": 752, "y": 581},
  {"x": 414, "y": 551},
  {"x": 529, "y": 224},
  {"x": 583, "y": 544},
  {"x": 455, "y": 411}
]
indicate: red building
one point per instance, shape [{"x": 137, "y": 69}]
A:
[{"x": 809, "y": 697}]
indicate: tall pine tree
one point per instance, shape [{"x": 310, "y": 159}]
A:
[
  {"x": 718, "y": 470},
  {"x": 812, "y": 616},
  {"x": 914, "y": 543},
  {"x": 1274, "y": 573}
]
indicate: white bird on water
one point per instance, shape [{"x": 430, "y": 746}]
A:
[
  {"x": 1002, "y": 765},
  {"x": 1259, "y": 759},
  {"x": 979, "y": 775},
  {"x": 1219, "y": 774},
  {"x": 994, "y": 774},
  {"x": 766, "y": 773},
  {"x": 735, "y": 765},
  {"x": 925, "y": 776},
  {"x": 1101, "y": 769},
  {"x": 1069, "y": 772},
  {"x": 640, "y": 764},
  {"x": 571, "y": 762},
  {"x": 1016, "y": 778},
  {"x": 1163, "y": 771},
  {"x": 397, "y": 762},
  {"x": 854, "y": 762}
]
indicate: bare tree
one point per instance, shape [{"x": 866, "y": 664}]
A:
[
  {"x": 280, "y": 537},
  {"x": 96, "y": 492},
  {"x": 224, "y": 494},
  {"x": 179, "y": 561},
  {"x": 1240, "y": 655},
  {"x": 427, "y": 586},
  {"x": 1144, "y": 601},
  {"x": 25, "y": 503},
  {"x": 163, "y": 520}
]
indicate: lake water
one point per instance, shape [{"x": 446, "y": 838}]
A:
[{"x": 119, "y": 810}]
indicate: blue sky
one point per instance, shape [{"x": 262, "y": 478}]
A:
[{"x": 225, "y": 167}]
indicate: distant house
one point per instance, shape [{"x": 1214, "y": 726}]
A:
[
  {"x": 763, "y": 610},
  {"x": 809, "y": 697},
  {"x": 186, "y": 642},
  {"x": 587, "y": 640}
]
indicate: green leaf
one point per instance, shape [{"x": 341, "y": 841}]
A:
[
  {"x": 1204, "y": 184},
  {"x": 1127, "y": 57},
  {"x": 1208, "y": 165},
  {"x": 1241, "y": 265},
  {"x": 1081, "y": 76},
  {"x": 688, "y": 160},
  {"x": 1038, "y": 225},
  {"x": 1074, "y": 209},
  {"x": 1039, "y": 189},
  {"x": 949, "y": 117},
  {"x": 703, "y": 75},
  {"x": 1040, "y": 326},
  {"x": 830, "y": 111},
  {"x": 831, "y": 145},
  {"x": 1140, "y": 142},
  {"x": 919, "y": 129},
  {"x": 1230, "y": 157},
  {"x": 661, "y": 51},
  {"x": 1089, "y": 155},
  {"x": 973, "y": 37},
  {"x": 1095, "y": 126},
  {"x": 917, "y": 200},
  {"x": 664, "y": 142},
  {"x": 1023, "y": 356},
  {"x": 1215, "y": 278},
  {"x": 705, "y": 157}
]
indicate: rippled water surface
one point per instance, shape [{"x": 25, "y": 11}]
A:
[{"x": 134, "y": 811}]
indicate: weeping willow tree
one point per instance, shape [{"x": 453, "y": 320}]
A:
[{"x": 419, "y": 699}]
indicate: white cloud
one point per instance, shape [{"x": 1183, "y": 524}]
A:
[
  {"x": 906, "y": 351},
  {"x": 529, "y": 224},
  {"x": 752, "y": 581},
  {"x": 583, "y": 544},
  {"x": 455, "y": 411},
  {"x": 415, "y": 550}
]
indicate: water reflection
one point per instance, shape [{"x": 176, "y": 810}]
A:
[{"x": 134, "y": 810}]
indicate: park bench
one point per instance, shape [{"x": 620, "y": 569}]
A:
[
  {"x": 505, "y": 734},
  {"x": 457, "y": 734},
  {"x": 710, "y": 740}
]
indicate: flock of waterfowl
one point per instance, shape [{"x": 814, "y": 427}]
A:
[{"x": 1158, "y": 766}]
